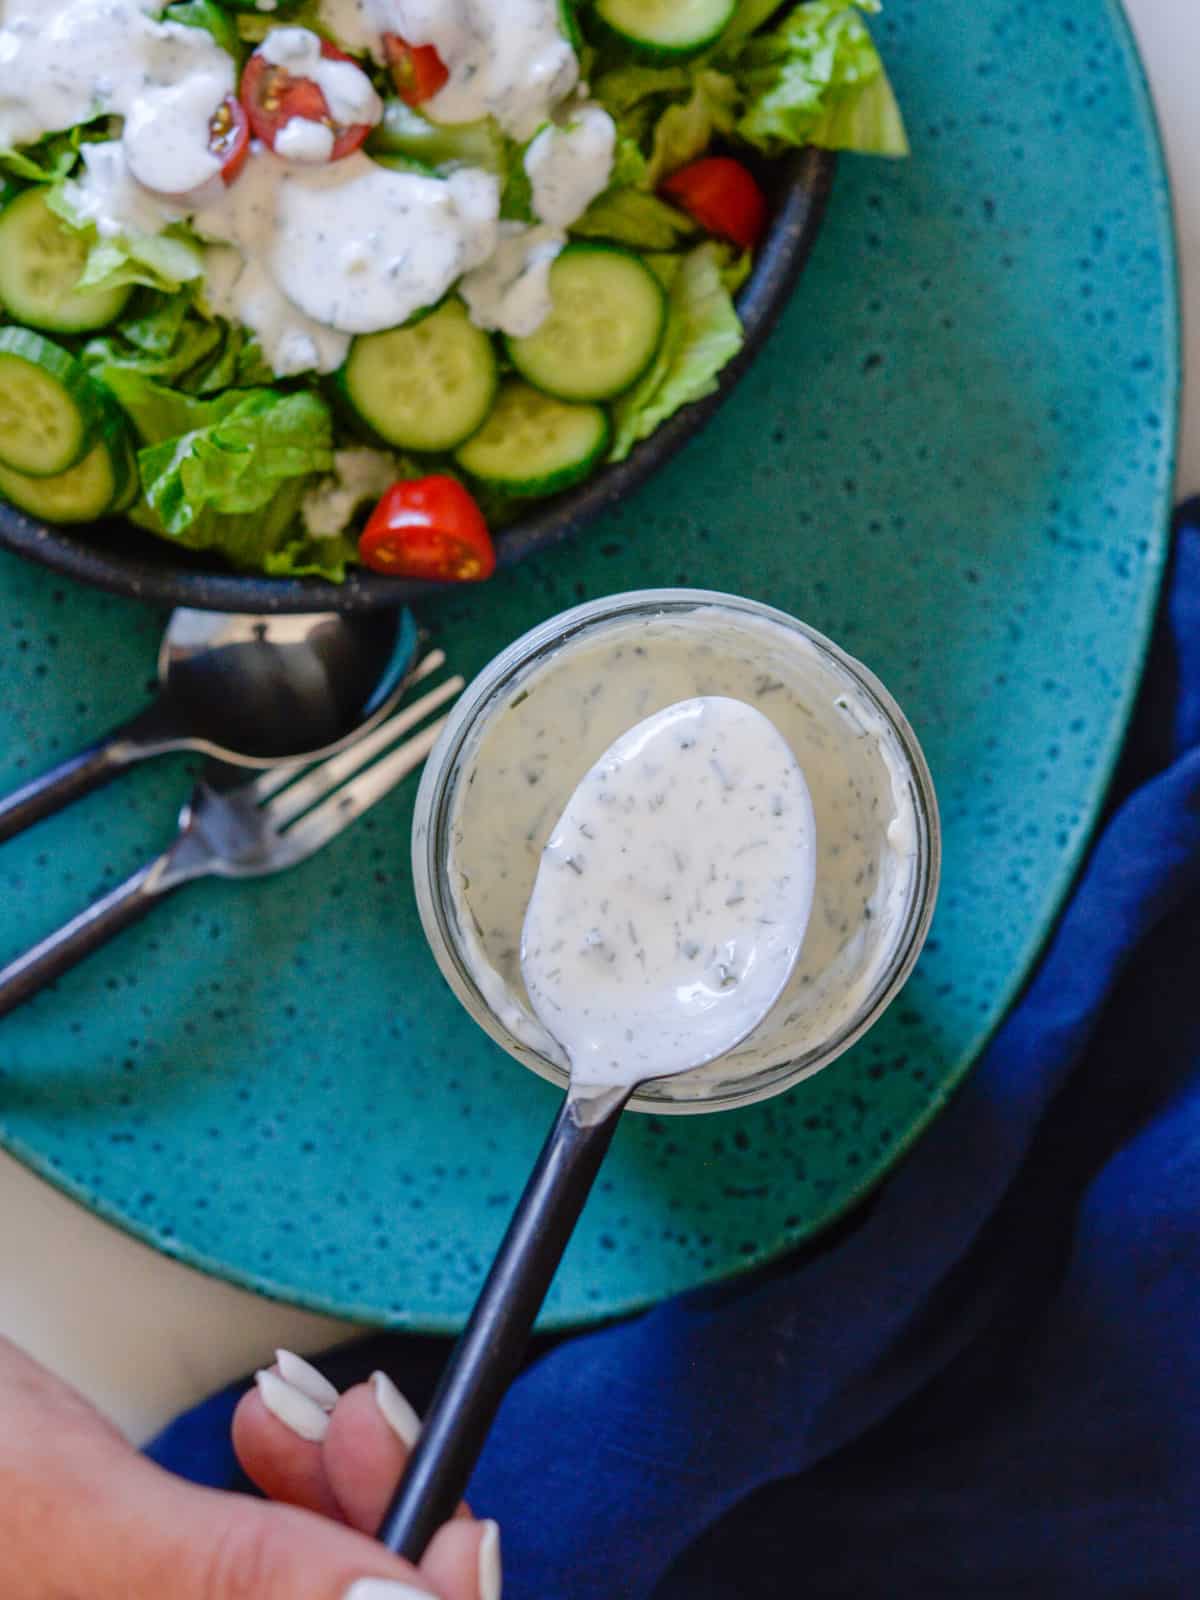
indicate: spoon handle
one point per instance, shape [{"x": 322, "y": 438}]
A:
[
  {"x": 44, "y": 795},
  {"x": 488, "y": 1354},
  {"x": 52, "y": 790}
]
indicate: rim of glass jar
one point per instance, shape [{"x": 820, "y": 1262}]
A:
[{"x": 484, "y": 696}]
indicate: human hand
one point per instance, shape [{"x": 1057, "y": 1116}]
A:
[{"x": 83, "y": 1514}]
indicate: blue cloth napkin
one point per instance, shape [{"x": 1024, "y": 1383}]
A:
[{"x": 987, "y": 1382}]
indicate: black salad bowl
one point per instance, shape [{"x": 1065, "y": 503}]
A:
[{"x": 120, "y": 557}]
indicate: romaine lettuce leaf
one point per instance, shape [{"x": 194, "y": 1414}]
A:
[
  {"x": 164, "y": 260},
  {"x": 158, "y": 260},
  {"x": 685, "y": 130},
  {"x": 158, "y": 409},
  {"x": 47, "y": 161},
  {"x": 702, "y": 333},
  {"x": 233, "y": 482},
  {"x": 817, "y": 79},
  {"x": 167, "y": 339},
  {"x": 205, "y": 14},
  {"x": 312, "y": 558},
  {"x": 749, "y": 16},
  {"x": 634, "y": 218},
  {"x": 227, "y": 473}
]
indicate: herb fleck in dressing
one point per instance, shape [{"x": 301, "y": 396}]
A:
[
  {"x": 673, "y": 894},
  {"x": 564, "y": 710}
]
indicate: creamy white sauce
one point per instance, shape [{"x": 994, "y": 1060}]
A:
[
  {"x": 424, "y": 233},
  {"x": 308, "y": 251},
  {"x": 352, "y": 24},
  {"x": 65, "y": 61},
  {"x": 507, "y": 61},
  {"x": 303, "y": 140},
  {"x": 358, "y": 475},
  {"x": 511, "y": 290},
  {"x": 521, "y": 767},
  {"x": 107, "y": 195},
  {"x": 167, "y": 131},
  {"x": 241, "y": 288},
  {"x": 569, "y": 165},
  {"x": 303, "y": 227},
  {"x": 673, "y": 894},
  {"x": 348, "y": 91}
]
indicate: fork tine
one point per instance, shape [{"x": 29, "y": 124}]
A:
[
  {"x": 340, "y": 809},
  {"x": 321, "y": 780},
  {"x": 275, "y": 778}
]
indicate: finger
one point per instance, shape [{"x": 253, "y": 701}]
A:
[
  {"x": 211, "y": 1546},
  {"x": 89, "y": 1513},
  {"x": 463, "y": 1560},
  {"x": 277, "y": 1432},
  {"x": 371, "y": 1432}
]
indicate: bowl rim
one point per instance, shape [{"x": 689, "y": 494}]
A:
[{"x": 805, "y": 180}]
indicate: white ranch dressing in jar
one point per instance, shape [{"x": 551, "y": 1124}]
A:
[
  {"x": 673, "y": 894},
  {"x": 519, "y": 765}
]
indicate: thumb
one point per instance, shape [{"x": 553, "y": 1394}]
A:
[{"x": 208, "y": 1545}]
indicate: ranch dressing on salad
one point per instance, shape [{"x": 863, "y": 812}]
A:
[
  {"x": 568, "y": 165},
  {"x": 306, "y": 273},
  {"x": 305, "y": 251},
  {"x": 523, "y": 763},
  {"x": 63, "y": 62},
  {"x": 673, "y": 894},
  {"x": 507, "y": 61}
]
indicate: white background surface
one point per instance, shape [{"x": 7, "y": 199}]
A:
[{"x": 145, "y": 1337}]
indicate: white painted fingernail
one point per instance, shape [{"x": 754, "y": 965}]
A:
[
  {"x": 384, "y": 1589},
  {"x": 490, "y": 1577},
  {"x": 304, "y": 1376},
  {"x": 397, "y": 1413},
  {"x": 295, "y": 1410}
]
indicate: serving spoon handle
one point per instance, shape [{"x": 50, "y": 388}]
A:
[{"x": 491, "y": 1347}]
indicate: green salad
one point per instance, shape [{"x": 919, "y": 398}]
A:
[{"x": 355, "y": 281}]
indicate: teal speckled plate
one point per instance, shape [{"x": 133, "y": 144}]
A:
[{"x": 954, "y": 457}]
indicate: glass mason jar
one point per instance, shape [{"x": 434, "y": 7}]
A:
[{"x": 538, "y": 716}]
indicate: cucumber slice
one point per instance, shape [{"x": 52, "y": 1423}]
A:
[
  {"x": 117, "y": 438},
  {"x": 49, "y": 406},
  {"x": 405, "y": 132},
  {"x": 666, "y": 30},
  {"x": 606, "y": 325},
  {"x": 426, "y": 386},
  {"x": 41, "y": 261},
  {"x": 83, "y": 493},
  {"x": 535, "y": 445}
]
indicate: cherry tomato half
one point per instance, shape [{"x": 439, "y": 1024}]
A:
[
  {"x": 272, "y": 96},
  {"x": 229, "y": 137},
  {"x": 417, "y": 70},
  {"x": 428, "y": 528},
  {"x": 722, "y": 196}
]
